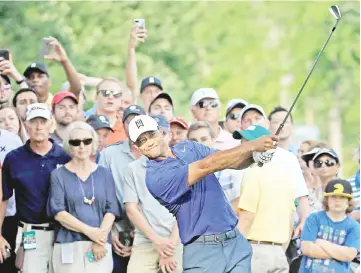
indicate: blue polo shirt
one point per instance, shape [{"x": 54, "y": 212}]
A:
[
  {"x": 200, "y": 209},
  {"x": 28, "y": 173}
]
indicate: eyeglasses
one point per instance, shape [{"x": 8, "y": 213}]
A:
[
  {"x": 328, "y": 163},
  {"x": 5, "y": 86},
  {"x": 77, "y": 142},
  {"x": 234, "y": 116},
  {"x": 205, "y": 104},
  {"x": 107, "y": 93}
]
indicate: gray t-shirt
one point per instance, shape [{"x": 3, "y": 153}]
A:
[
  {"x": 135, "y": 191},
  {"x": 8, "y": 142},
  {"x": 115, "y": 157},
  {"x": 66, "y": 194}
]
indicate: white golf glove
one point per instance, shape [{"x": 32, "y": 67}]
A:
[{"x": 263, "y": 157}]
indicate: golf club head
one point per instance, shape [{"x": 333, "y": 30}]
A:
[{"x": 335, "y": 11}]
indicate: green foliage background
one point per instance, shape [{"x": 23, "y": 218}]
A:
[{"x": 242, "y": 49}]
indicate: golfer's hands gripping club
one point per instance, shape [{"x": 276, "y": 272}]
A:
[{"x": 264, "y": 149}]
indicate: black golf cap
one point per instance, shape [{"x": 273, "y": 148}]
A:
[
  {"x": 133, "y": 110},
  {"x": 150, "y": 81},
  {"x": 39, "y": 67},
  {"x": 161, "y": 96},
  {"x": 338, "y": 187},
  {"x": 99, "y": 122}
]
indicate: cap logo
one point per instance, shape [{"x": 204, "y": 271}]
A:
[
  {"x": 338, "y": 188},
  {"x": 139, "y": 123},
  {"x": 133, "y": 107},
  {"x": 251, "y": 128},
  {"x": 37, "y": 108},
  {"x": 33, "y": 65},
  {"x": 151, "y": 79},
  {"x": 103, "y": 119}
]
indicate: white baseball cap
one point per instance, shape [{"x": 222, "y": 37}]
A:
[
  {"x": 234, "y": 103},
  {"x": 203, "y": 93},
  {"x": 253, "y": 107},
  {"x": 141, "y": 124},
  {"x": 38, "y": 110}
]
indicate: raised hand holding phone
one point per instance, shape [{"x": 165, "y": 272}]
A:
[
  {"x": 138, "y": 32},
  {"x": 53, "y": 50}
]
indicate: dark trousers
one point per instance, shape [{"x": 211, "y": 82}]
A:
[
  {"x": 9, "y": 231},
  {"x": 120, "y": 264}
]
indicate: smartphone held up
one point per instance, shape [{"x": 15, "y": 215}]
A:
[
  {"x": 5, "y": 54},
  {"x": 140, "y": 23},
  {"x": 45, "y": 47}
]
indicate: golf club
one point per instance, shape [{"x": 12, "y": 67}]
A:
[{"x": 335, "y": 11}]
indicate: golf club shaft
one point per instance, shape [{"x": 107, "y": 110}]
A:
[
  {"x": 306, "y": 80},
  {"x": 304, "y": 84}
]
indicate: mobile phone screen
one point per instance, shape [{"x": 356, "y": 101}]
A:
[{"x": 4, "y": 53}]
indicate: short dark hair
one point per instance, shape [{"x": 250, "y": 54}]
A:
[
  {"x": 276, "y": 110},
  {"x": 23, "y": 90},
  {"x": 6, "y": 79}
]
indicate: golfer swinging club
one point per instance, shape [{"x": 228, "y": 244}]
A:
[{"x": 181, "y": 178}]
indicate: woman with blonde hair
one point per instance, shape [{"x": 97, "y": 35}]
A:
[
  {"x": 82, "y": 200},
  {"x": 10, "y": 121}
]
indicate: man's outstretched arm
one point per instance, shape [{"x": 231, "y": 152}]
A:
[{"x": 236, "y": 158}]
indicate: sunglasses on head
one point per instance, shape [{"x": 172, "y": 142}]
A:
[
  {"x": 77, "y": 142},
  {"x": 107, "y": 93},
  {"x": 205, "y": 104},
  {"x": 234, "y": 116},
  {"x": 328, "y": 163}
]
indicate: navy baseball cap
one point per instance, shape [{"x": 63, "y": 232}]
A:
[
  {"x": 99, "y": 122},
  {"x": 133, "y": 110},
  {"x": 39, "y": 67},
  {"x": 162, "y": 122},
  {"x": 161, "y": 96},
  {"x": 150, "y": 81},
  {"x": 251, "y": 133},
  {"x": 338, "y": 187}
]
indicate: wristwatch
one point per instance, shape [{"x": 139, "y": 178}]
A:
[{"x": 21, "y": 81}]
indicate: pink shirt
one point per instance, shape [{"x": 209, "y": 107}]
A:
[{"x": 225, "y": 140}]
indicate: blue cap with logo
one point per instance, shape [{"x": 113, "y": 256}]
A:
[
  {"x": 150, "y": 81},
  {"x": 133, "y": 110},
  {"x": 251, "y": 133},
  {"x": 162, "y": 122}
]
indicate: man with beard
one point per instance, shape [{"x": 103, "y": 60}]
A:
[
  {"x": 65, "y": 111},
  {"x": 37, "y": 75}
]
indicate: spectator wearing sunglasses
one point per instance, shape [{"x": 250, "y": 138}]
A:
[
  {"x": 116, "y": 157},
  {"x": 109, "y": 93},
  {"x": 65, "y": 112},
  {"x": 233, "y": 115},
  {"x": 162, "y": 105},
  {"x": 325, "y": 164},
  {"x": 205, "y": 106},
  {"x": 82, "y": 200},
  {"x": 26, "y": 174}
]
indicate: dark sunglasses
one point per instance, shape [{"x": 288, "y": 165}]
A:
[
  {"x": 205, "y": 104},
  {"x": 234, "y": 116},
  {"x": 328, "y": 163},
  {"x": 107, "y": 93},
  {"x": 77, "y": 142}
]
